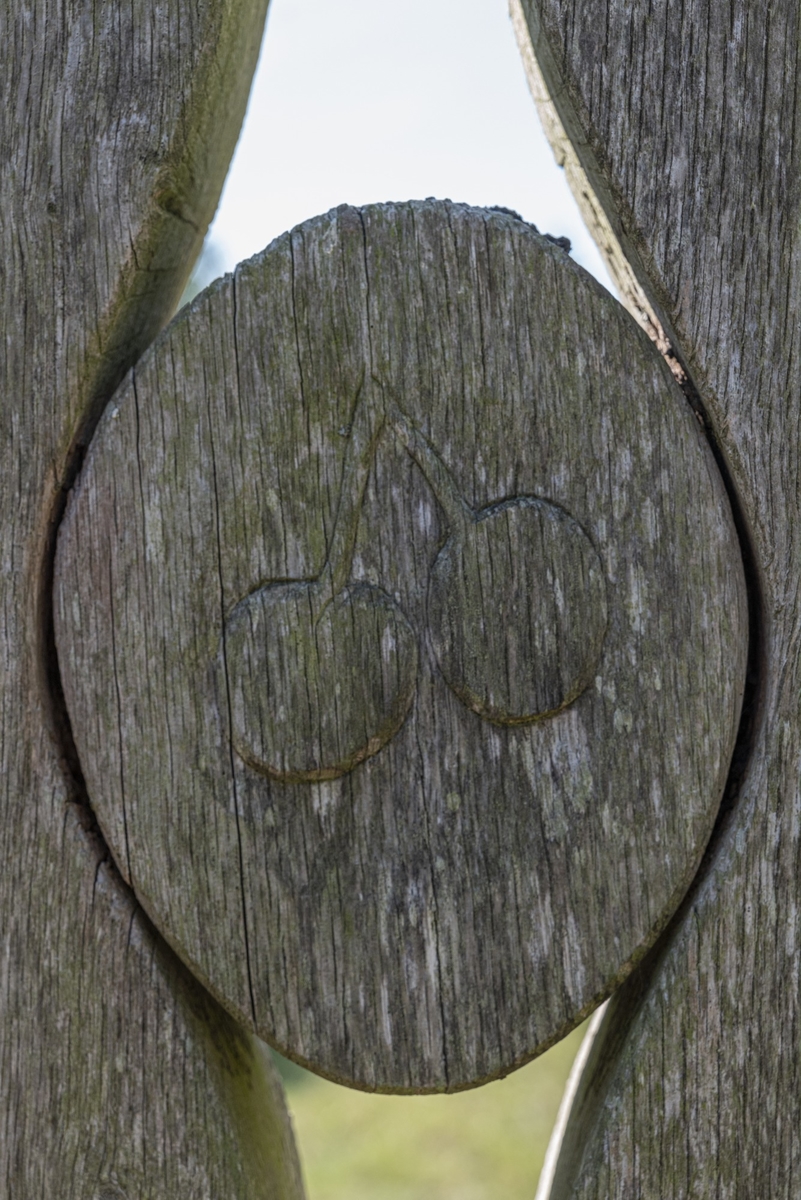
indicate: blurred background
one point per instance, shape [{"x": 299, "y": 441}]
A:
[
  {"x": 362, "y": 101},
  {"x": 355, "y": 102},
  {"x": 485, "y": 1144}
]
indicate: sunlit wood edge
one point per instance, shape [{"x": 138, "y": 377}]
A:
[{"x": 563, "y": 1116}]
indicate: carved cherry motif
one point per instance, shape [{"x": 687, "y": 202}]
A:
[{"x": 319, "y": 674}]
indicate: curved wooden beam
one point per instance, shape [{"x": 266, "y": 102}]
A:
[
  {"x": 684, "y": 124},
  {"x": 120, "y": 1076}
]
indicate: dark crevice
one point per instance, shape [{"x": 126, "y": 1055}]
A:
[
  {"x": 224, "y": 650},
  {"x": 78, "y": 800},
  {"x": 635, "y": 987},
  {"x": 54, "y": 688},
  {"x": 108, "y": 379},
  {"x": 125, "y": 343},
  {"x": 754, "y": 685}
]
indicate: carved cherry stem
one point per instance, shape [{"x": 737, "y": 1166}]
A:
[
  {"x": 458, "y": 512},
  {"x": 367, "y": 425}
]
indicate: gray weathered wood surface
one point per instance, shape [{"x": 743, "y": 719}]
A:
[
  {"x": 402, "y": 625},
  {"x": 685, "y": 123},
  {"x": 120, "y": 1076}
]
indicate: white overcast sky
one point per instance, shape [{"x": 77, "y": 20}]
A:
[{"x": 356, "y": 101}]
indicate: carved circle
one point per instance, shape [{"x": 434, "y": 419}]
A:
[
  {"x": 402, "y": 627},
  {"x": 517, "y": 611},
  {"x": 316, "y": 684}
]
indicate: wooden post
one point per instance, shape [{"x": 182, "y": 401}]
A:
[
  {"x": 680, "y": 131},
  {"x": 121, "y": 1078}
]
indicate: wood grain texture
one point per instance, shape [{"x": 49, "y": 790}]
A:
[
  {"x": 120, "y": 1076},
  {"x": 585, "y": 188},
  {"x": 685, "y": 121},
  {"x": 399, "y": 598}
]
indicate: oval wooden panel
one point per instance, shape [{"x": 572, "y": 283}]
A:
[{"x": 402, "y": 627}]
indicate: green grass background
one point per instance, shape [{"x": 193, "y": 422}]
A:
[{"x": 486, "y": 1143}]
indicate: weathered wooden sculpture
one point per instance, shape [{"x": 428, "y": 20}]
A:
[
  {"x": 387, "y": 605},
  {"x": 402, "y": 606}
]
